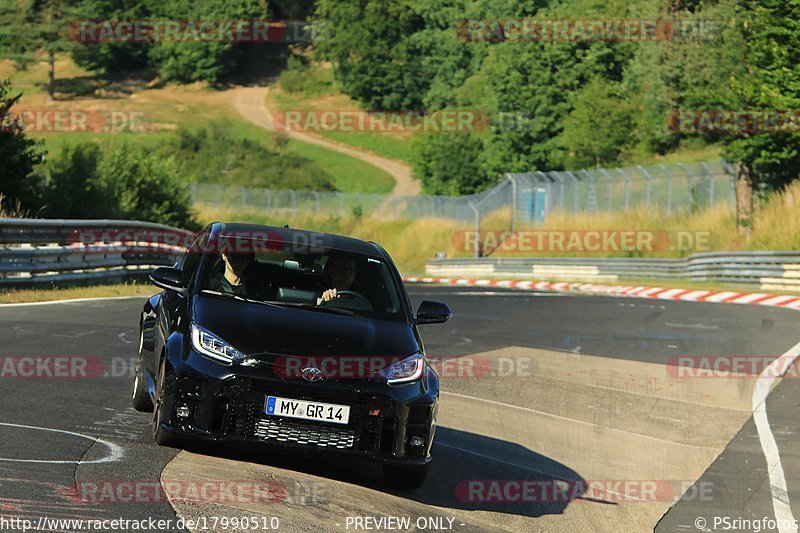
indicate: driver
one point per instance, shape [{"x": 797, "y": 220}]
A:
[{"x": 340, "y": 271}]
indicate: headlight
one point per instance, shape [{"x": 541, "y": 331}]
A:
[
  {"x": 212, "y": 346},
  {"x": 409, "y": 369}
]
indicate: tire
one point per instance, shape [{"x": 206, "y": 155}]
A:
[
  {"x": 140, "y": 397},
  {"x": 406, "y": 477},
  {"x": 160, "y": 436}
]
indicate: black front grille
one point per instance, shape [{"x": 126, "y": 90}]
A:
[{"x": 304, "y": 433}]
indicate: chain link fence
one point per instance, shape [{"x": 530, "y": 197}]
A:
[
  {"x": 678, "y": 187},
  {"x": 523, "y": 198}
]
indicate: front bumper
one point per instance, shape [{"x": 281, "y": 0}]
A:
[{"x": 226, "y": 404}]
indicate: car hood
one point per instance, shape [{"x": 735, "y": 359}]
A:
[{"x": 257, "y": 329}]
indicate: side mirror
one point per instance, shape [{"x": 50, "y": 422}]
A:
[
  {"x": 433, "y": 313},
  {"x": 169, "y": 278}
]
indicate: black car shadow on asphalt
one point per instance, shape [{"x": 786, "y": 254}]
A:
[{"x": 469, "y": 472}]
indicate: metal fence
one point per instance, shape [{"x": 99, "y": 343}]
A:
[
  {"x": 527, "y": 197},
  {"x": 680, "y": 187},
  {"x": 767, "y": 270},
  {"x": 36, "y": 252}
]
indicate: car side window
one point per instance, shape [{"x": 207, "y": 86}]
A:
[{"x": 191, "y": 259}]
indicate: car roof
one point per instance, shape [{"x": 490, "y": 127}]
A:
[{"x": 328, "y": 240}]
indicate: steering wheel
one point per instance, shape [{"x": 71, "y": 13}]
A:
[{"x": 355, "y": 296}]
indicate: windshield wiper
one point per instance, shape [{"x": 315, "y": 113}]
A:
[
  {"x": 337, "y": 310},
  {"x": 235, "y": 297}
]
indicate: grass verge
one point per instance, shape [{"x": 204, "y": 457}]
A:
[{"x": 12, "y": 296}]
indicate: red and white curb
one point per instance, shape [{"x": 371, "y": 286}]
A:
[{"x": 636, "y": 291}]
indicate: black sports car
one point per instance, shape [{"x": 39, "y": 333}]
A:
[{"x": 293, "y": 341}]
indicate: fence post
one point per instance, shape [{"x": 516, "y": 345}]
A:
[
  {"x": 513, "y": 181},
  {"x": 608, "y": 176},
  {"x": 627, "y": 189},
  {"x": 710, "y": 183},
  {"x": 557, "y": 177},
  {"x": 731, "y": 174},
  {"x": 646, "y": 186},
  {"x": 592, "y": 199},
  {"x": 477, "y": 229},
  {"x": 690, "y": 186},
  {"x": 669, "y": 186},
  {"x": 574, "y": 192}
]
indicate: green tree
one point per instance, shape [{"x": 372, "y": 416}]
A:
[
  {"x": 770, "y": 81},
  {"x": 113, "y": 56},
  {"x": 75, "y": 189},
  {"x": 535, "y": 81},
  {"x": 449, "y": 163},
  {"x": 599, "y": 128},
  {"x": 147, "y": 187},
  {"x": 369, "y": 42},
  {"x": 36, "y": 27},
  {"x": 189, "y": 61},
  {"x": 19, "y": 155}
]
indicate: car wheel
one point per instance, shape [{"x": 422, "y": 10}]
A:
[
  {"x": 161, "y": 437},
  {"x": 140, "y": 398},
  {"x": 406, "y": 477}
]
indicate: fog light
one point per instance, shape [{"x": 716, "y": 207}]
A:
[
  {"x": 416, "y": 441},
  {"x": 182, "y": 411}
]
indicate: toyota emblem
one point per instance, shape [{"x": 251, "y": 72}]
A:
[{"x": 312, "y": 374}]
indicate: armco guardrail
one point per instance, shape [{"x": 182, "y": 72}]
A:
[
  {"x": 768, "y": 270},
  {"x": 37, "y": 252}
]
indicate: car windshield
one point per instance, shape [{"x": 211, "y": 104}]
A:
[{"x": 322, "y": 279}]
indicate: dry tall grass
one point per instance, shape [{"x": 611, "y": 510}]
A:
[{"x": 409, "y": 242}]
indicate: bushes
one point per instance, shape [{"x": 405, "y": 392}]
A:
[
  {"x": 146, "y": 187},
  {"x": 86, "y": 182},
  {"x": 449, "y": 164},
  {"x": 215, "y": 154}
]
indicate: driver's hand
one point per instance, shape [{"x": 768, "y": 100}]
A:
[{"x": 327, "y": 296}]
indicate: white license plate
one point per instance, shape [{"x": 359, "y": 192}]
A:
[{"x": 321, "y": 412}]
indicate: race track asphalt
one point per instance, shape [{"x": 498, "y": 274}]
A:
[{"x": 568, "y": 389}]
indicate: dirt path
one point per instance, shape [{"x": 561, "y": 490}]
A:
[{"x": 249, "y": 102}]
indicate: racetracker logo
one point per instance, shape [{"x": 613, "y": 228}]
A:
[
  {"x": 577, "y": 30},
  {"x": 72, "y": 121},
  {"x": 147, "y": 240},
  {"x": 732, "y": 367},
  {"x": 351, "y": 121},
  {"x": 737, "y": 121},
  {"x": 346, "y": 367},
  {"x": 105, "y": 492},
  {"x": 537, "y": 491},
  {"x": 582, "y": 241},
  {"x": 51, "y": 367},
  {"x": 191, "y": 31},
  {"x": 369, "y": 367}
]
